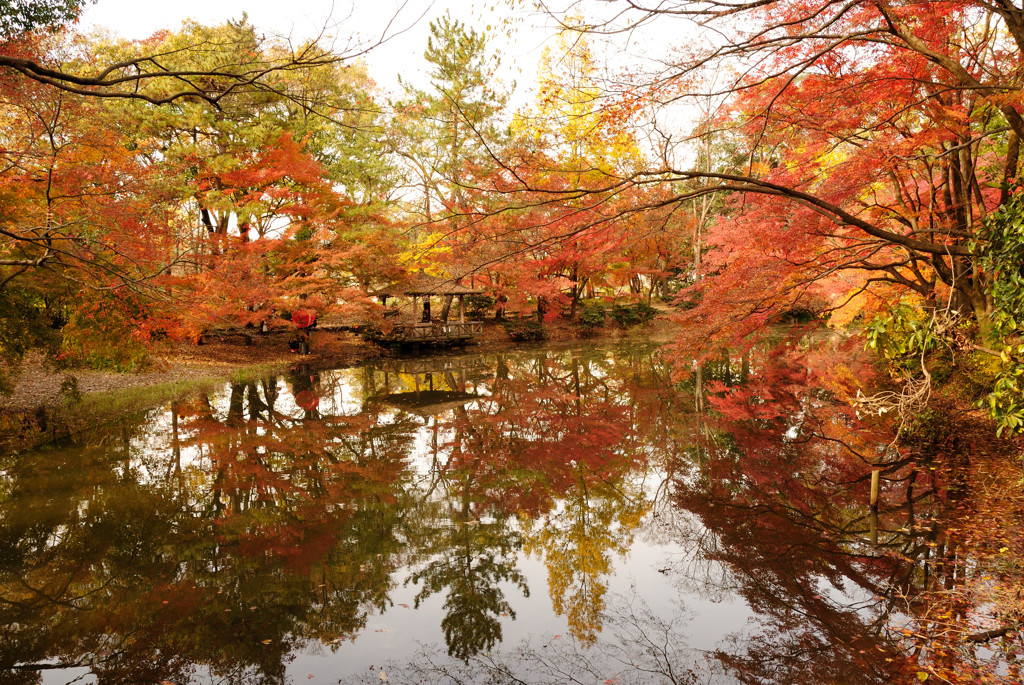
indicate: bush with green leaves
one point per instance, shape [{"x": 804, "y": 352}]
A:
[
  {"x": 477, "y": 306},
  {"x": 1000, "y": 251},
  {"x": 628, "y": 316},
  {"x": 902, "y": 337},
  {"x": 917, "y": 345},
  {"x": 525, "y": 330},
  {"x": 926, "y": 428},
  {"x": 591, "y": 316}
]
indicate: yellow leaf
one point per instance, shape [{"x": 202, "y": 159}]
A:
[{"x": 922, "y": 676}]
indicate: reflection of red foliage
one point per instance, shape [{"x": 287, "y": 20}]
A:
[
  {"x": 781, "y": 488},
  {"x": 307, "y": 399},
  {"x": 544, "y": 430}
]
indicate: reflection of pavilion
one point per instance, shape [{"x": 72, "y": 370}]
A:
[
  {"x": 425, "y": 387},
  {"x": 418, "y": 324}
]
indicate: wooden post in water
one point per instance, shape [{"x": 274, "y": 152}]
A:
[{"x": 874, "y": 489}]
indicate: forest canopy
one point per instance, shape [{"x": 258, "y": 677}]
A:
[{"x": 857, "y": 161}]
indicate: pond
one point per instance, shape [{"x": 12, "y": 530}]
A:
[{"x": 575, "y": 514}]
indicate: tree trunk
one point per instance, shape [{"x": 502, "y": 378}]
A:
[
  {"x": 446, "y": 308},
  {"x": 577, "y": 294},
  {"x": 1010, "y": 168}
]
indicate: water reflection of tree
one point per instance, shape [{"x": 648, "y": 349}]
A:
[
  {"x": 468, "y": 559},
  {"x": 467, "y": 547},
  {"x": 640, "y": 647},
  {"x": 577, "y": 543},
  {"x": 781, "y": 504},
  {"x": 550, "y": 449},
  {"x": 572, "y": 418},
  {"x": 775, "y": 500},
  {"x": 284, "y": 529},
  {"x": 267, "y": 523}
]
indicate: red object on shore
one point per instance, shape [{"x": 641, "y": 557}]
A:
[{"x": 304, "y": 318}]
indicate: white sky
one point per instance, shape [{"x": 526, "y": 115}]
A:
[
  {"x": 517, "y": 38},
  {"x": 362, "y": 20}
]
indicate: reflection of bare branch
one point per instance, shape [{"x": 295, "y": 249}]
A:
[{"x": 644, "y": 647}]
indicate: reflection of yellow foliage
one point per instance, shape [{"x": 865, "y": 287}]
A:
[
  {"x": 843, "y": 383},
  {"x": 408, "y": 382},
  {"x": 577, "y": 543}
]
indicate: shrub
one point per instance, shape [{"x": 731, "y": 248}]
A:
[
  {"x": 69, "y": 390},
  {"x": 685, "y": 305},
  {"x": 478, "y": 305},
  {"x": 902, "y": 337},
  {"x": 628, "y": 316},
  {"x": 797, "y": 315},
  {"x": 925, "y": 428},
  {"x": 106, "y": 337},
  {"x": 1000, "y": 252},
  {"x": 591, "y": 316},
  {"x": 525, "y": 330}
]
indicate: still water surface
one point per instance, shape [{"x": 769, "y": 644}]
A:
[{"x": 549, "y": 515}]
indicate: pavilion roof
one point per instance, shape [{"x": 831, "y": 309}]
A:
[{"x": 428, "y": 402}]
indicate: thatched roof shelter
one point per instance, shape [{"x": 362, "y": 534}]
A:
[{"x": 421, "y": 288}]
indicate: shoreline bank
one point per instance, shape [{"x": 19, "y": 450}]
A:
[{"x": 50, "y": 404}]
